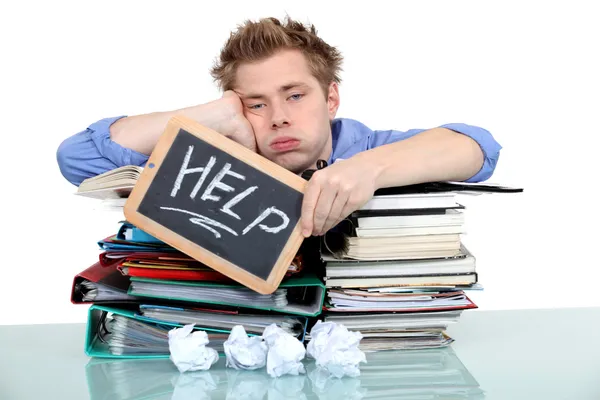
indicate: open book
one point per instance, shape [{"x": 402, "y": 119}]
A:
[{"x": 114, "y": 184}]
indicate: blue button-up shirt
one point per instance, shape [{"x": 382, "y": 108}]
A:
[{"x": 92, "y": 152}]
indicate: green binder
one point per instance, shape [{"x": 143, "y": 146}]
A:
[{"x": 96, "y": 346}]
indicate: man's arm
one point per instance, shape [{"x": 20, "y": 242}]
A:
[
  {"x": 141, "y": 132},
  {"x": 463, "y": 153},
  {"x": 92, "y": 152},
  {"x": 114, "y": 142},
  {"x": 438, "y": 154},
  {"x": 480, "y": 139}
]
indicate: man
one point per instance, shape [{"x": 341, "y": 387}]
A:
[{"x": 280, "y": 84}]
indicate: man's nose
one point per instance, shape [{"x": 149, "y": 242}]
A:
[{"x": 280, "y": 117}]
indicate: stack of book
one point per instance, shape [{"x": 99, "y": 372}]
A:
[
  {"x": 140, "y": 288},
  {"x": 397, "y": 269}
]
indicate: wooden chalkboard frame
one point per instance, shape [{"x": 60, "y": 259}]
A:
[{"x": 192, "y": 249}]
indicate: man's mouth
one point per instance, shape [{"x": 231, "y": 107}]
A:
[{"x": 285, "y": 144}]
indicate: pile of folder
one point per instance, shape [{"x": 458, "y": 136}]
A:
[
  {"x": 140, "y": 288},
  {"x": 397, "y": 269}
]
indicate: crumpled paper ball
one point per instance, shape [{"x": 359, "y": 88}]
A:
[
  {"x": 243, "y": 351},
  {"x": 188, "y": 349},
  {"x": 285, "y": 352},
  {"x": 335, "y": 349}
]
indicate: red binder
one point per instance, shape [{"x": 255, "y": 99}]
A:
[{"x": 104, "y": 273}]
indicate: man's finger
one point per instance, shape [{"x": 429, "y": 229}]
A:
[
  {"x": 336, "y": 210},
  {"x": 311, "y": 195},
  {"x": 323, "y": 208}
]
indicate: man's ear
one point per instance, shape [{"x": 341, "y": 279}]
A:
[{"x": 333, "y": 100}]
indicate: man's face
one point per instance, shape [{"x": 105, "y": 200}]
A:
[{"x": 290, "y": 114}]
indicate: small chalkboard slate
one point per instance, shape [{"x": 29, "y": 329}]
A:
[{"x": 220, "y": 203}]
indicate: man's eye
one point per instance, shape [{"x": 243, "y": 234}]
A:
[
  {"x": 256, "y": 106},
  {"x": 297, "y": 96}
]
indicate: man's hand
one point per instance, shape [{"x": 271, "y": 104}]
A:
[
  {"x": 231, "y": 122},
  {"x": 334, "y": 192}
]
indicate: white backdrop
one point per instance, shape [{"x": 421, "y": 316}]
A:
[{"x": 526, "y": 71}]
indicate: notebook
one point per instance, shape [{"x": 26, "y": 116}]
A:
[
  {"x": 411, "y": 201},
  {"x": 412, "y": 280},
  {"x": 361, "y": 301},
  {"x": 356, "y": 269},
  {"x": 450, "y": 217}
]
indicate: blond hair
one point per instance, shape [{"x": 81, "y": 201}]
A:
[{"x": 255, "y": 41}]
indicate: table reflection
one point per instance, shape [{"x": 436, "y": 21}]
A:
[{"x": 414, "y": 374}]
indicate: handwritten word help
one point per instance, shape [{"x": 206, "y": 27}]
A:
[{"x": 208, "y": 195}]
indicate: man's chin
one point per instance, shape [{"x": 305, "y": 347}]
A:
[{"x": 296, "y": 163}]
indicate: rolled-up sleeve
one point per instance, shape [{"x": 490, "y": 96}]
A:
[
  {"x": 92, "y": 152},
  {"x": 489, "y": 146}
]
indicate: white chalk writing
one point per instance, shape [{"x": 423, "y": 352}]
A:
[
  {"x": 216, "y": 183},
  {"x": 264, "y": 215},
  {"x": 205, "y": 173},
  {"x": 214, "y": 226},
  {"x": 204, "y": 222},
  {"x": 184, "y": 170},
  {"x": 227, "y": 207}
]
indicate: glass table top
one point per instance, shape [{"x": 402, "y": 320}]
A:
[{"x": 518, "y": 354}]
